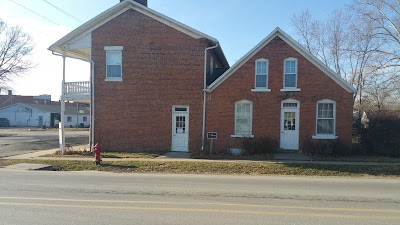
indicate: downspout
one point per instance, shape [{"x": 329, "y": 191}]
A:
[
  {"x": 205, "y": 95},
  {"x": 62, "y": 119},
  {"x": 92, "y": 104}
]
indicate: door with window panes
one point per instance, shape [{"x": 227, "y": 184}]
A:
[
  {"x": 290, "y": 126},
  {"x": 180, "y": 129}
]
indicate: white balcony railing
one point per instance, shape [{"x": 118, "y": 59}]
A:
[{"x": 75, "y": 88}]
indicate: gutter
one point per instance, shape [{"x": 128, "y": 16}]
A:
[{"x": 205, "y": 95}]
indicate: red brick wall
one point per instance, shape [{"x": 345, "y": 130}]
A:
[
  {"x": 161, "y": 67},
  {"x": 314, "y": 85}
]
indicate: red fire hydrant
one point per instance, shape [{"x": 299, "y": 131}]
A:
[{"x": 97, "y": 154}]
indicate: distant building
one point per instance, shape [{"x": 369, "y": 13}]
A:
[
  {"x": 9, "y": 99},
  {"x": 39, "y": 115}
]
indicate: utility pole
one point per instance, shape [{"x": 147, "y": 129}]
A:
[{"x": 77, "y": 115}]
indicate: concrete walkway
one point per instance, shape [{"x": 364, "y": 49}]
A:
[{"x": 175, "y": 156}]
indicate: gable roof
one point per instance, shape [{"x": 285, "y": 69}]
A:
[
  {"x": 69, "y": 110},
  {"x": 277, "y": 32},
  {"x": 85, "y": 29}
]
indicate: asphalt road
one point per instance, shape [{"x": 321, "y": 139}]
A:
[
  {"x": 44, "y": 197},
  {"x": 19, "y": 141}
]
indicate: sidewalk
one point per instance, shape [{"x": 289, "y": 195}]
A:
[{"x": 174, "y": 156}]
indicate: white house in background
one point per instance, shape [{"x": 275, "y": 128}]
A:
[{"x": 36, "y": 115}]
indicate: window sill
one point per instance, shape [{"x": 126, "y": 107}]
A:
[
  {"x": 260, "y": 90},
  {"x": 114, "y": 79},
  {"x": 291, "y": 89},
  {"x": 325, "y": 137},
  {"x": 242, "y": 135}
]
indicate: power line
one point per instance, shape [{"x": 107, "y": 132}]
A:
[
  {"x": 35, "y": 12},
  {"x": 61, "y": 10}
]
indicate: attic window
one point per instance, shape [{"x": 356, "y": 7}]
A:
[
  {"x": 290, "y": 76},
  {"x": 113, "y": 63},
  {"x": 261, "y": 76}
]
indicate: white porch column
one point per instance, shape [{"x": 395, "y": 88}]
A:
[{"x": 62, "y": 119}]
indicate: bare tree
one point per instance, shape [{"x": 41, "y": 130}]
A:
[
  {"x": 15, "y": 48},
  {"x": 384, "y": 19},
  {"x": 325, "y": 39},
  {"x": 384, "y": 15},
  {"x": 350, "y": 46}
]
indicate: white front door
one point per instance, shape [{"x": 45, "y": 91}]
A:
[
  {"x": 180, "y": 129},
  {"x": 290, "y": 128}
]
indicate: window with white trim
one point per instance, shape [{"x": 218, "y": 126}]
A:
[
  {"x": 326, "y": 117},
  {"x": 113, "y": 62},
  {"x": 261, "y": 71},
  {"x": 243, "y": 117},
  {"x": 290, "y": 73},
  {"x": 69, "y": 119}
]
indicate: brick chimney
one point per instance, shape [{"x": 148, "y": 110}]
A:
[{"x": 143, "y": 2}]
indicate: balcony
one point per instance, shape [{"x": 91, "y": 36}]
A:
[{"x": 77, "y": 91}]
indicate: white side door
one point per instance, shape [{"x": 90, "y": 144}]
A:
[
  {"x": 290, "y": 127},
  {"x": 180, "y": 129}
]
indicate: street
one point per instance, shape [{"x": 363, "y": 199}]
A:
[
  {"x": 16, "y": 141},
  {"x": 45, "y": 197}
]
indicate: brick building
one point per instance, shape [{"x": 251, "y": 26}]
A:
[{"x": 159, "y": 84}]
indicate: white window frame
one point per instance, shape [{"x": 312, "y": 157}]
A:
[
  {"x": 284, "y": 75},
  {"x": 113, "y": 49},
  {"x": 261, "y": 89},
  {"x": 325, "y": 136},
  {"x": 250, "y": 134},
  {"x": 69, "y": 119}
]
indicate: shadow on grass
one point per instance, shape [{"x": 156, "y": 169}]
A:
[
  {"x": 335, "y": 170},
  {"x": 116, "y": 167},
  {"x": 261, "y": 157}
]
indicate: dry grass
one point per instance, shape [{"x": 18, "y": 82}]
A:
[
  {"x": 77, "y": 152},
  {"x": 357, "y": 158},
  {"x": 220, "y": 168}
]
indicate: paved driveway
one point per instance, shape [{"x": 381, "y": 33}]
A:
[{"x": 15, "y": 141}]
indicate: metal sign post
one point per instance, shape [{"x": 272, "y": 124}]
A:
[{"x": 211, "y": 136}]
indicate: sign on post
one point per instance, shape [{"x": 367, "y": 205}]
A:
[{"x": 211, "y": 136}]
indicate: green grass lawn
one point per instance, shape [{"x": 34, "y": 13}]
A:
[{"x": 249, "y": 168}]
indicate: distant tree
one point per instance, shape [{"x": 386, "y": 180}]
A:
[
  {"x": 342, "y": 43},
  {"x": 384, "y": 15},
  {"x": 384, "y": 19},
  {"x": 15, "y": 47},
  {"x": 361, "y": 44}
]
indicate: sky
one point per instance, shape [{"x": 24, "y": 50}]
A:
[{"x": 239, "y": 25}]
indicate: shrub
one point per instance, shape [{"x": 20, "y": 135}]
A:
[
  {"x": 325, "y": 147},
  {"x": 382, "y": 136},
  {"x": 265, "y": 145}
]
